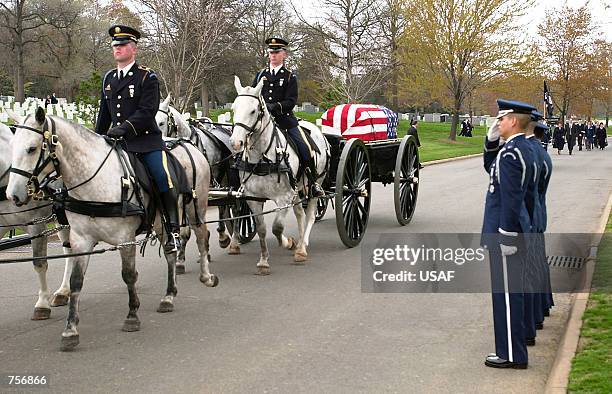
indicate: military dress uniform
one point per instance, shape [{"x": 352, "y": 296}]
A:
[
  {"x": 128, "y": 105},
  {"x": 534, "y": 273},
  {"x": 547, "y": 301},
  {"x": 280, "y": 93},
  {"x": 506, "y": 219}
]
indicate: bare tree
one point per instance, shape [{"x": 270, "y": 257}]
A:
[
  {"x": 24, "y": 19},
  {"x": 393, "y": 24},
  {"x": 348, "y": 56},
  {"x": 187, "y": 39}
]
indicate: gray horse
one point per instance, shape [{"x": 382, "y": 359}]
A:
[
  {"x": 255, "y": 133},
  {"x": 173, "y": 125},
  {"x": 84, "y": 155},
  {"x": 9, "y": 214}
]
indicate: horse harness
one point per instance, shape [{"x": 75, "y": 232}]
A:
[
  {"x": 62, "y": 201},
  {"x": 264, "y": 165}
]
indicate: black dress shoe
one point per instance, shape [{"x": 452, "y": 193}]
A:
[
  {"x": 546, "y": 312},
  {"x": 539, "y": 326},
  {"x": 530, "y": 341},
  {"x": 496, "y": 362}
]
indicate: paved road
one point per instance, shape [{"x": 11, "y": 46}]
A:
[{"x": 304, "y": 328}]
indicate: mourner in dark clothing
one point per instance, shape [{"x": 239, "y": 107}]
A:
[
  {"x": 464, "y": 128},
  {"x": 590, "y": 136},
  {"x": 53, "y": 99},
  {"x": 413, "y": 131},
  {"x": 506, "y": 219},
  {"x": 559, "y": 138},
  {"x": 469, "y": 128},
  {"x": 601, "y": 136},
  {"x": 128, "y": 105},
  {"x": 570, "y": 136},
  {"x": 280, "y": 92},
  {"x": 580, "y": 135}
]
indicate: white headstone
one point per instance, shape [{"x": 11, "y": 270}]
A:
[
  {"x": 319, "y": 122},
  {"x": 70, "y": 115},
  {"x": 198, "y": 114},
  {"x": 3, "y": 117},
  {"x": 17, "y": 106},
  {"x": 221, "y": 118},
  {"x": 80, "y": 121}
]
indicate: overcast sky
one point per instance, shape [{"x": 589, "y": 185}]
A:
[{"x": 601, "y": 10}]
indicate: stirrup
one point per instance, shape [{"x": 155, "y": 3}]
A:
[{"x": 174, "y": 242}]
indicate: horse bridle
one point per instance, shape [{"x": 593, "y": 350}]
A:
[
  {"x": 172, "y": 126},
  {"x": 50, "y": 142},
  {"x": 251, "y": 129}
]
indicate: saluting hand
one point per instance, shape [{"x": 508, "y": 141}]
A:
[{"x": 493, "y": 132}]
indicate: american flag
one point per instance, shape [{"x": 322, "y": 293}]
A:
[{"x": 365, "y": 121}]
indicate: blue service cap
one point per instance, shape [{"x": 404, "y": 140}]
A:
[
  {"x": 536, "y": 116},
  {"x": 517, "y": 107},
  {"x": 541, "y": 126}
]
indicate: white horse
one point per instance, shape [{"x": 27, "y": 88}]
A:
[
  {"x": 92, "y": 172},
  {"x": 9, "y": 215},
  {"x": 173, "y": 125},
  {"x": 256, "y": 134}
]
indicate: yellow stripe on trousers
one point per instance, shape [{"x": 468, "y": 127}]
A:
[{"x": 165, "y": 164}]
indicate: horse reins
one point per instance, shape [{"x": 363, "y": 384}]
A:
[
  {"x": 172, "y": 126},
  {"x": 50, "y": 142}
]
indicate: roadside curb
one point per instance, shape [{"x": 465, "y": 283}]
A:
[
  {"x": 559, "y": 374},
  {"x": 433, "y": 162}
]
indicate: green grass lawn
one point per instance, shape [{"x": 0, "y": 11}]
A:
[
  {"x": 592, "y": 366},
  {"x": 435, "y": 144}
]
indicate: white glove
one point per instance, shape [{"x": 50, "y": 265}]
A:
[
  {"x": 507, "y": 250},
  {"x": 493, "y": 132}
]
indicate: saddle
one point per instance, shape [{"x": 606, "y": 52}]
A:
[
  {"x": 307, "y": 139},
  {"x": 135, "y": 178}
]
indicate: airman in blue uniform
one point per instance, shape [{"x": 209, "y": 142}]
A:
[
  {"x": 506, "y": 220},
  {"x": 543, "y": 181}
]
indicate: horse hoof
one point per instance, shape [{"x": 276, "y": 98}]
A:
[
  {"x": 263, "y": 271},
  {"x": 213, "y": 281},
  {"x": 165, "y": 307},
  {"x": 59, "y": 300},
  {"x": 180, "y": 268},
  {"x": 300, "y": 257},
  {"x": 234, "y": 250},
  {"x": 69, "y": 343},
  {"x": 292, "y": 243},
  {"x": 131, "y": 325},
  {"x": 224, "y": 243},
  {"x": 41, "y": 313}
]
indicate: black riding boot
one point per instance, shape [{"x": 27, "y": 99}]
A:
[
  {"x": 311, "y": 172},
  {"x": 170, "y": 204}
]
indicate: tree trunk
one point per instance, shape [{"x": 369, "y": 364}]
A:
[
  {"x": 20, "y": 91},
  {"x": 455, "y": 120},
  {"x": 204, "y": 97}
]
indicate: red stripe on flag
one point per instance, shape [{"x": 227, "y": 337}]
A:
[{"x": 344, "y": 120}]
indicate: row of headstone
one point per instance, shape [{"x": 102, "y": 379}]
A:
[{"x": 225, "y": 118}]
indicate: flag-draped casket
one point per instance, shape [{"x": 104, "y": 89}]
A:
[{"x": 367, "y": 122}]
